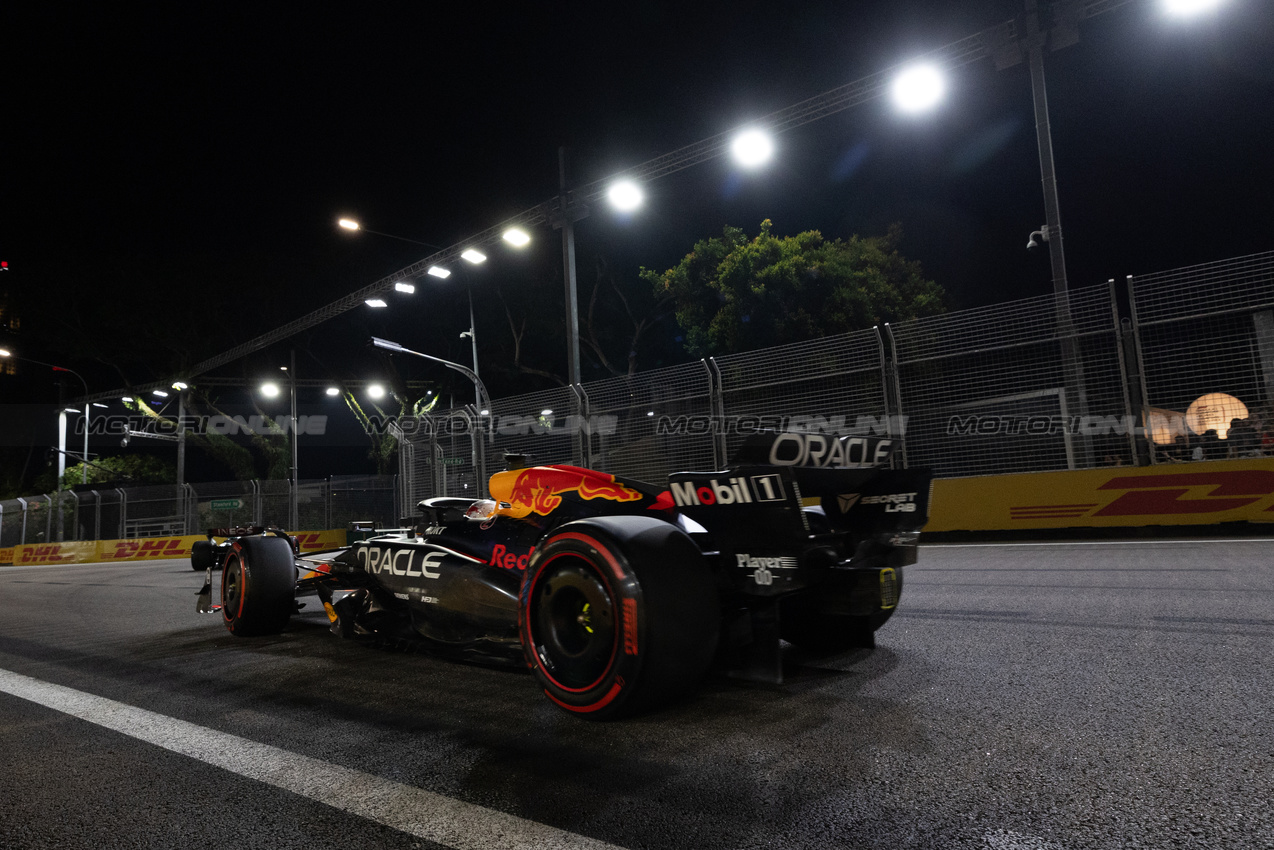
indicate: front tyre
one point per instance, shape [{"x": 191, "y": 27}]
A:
[
  {"x": 201, "y": 557},
  {"x": 258, "y": 586},
  {"x": 617, "y": 615}
]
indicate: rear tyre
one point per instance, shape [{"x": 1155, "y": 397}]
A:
[
  {"x": 617, "y": 615},
  {"x": 258, "y": 586}
]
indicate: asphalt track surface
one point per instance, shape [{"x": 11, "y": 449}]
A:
[{"x": 1024, "y": 697}]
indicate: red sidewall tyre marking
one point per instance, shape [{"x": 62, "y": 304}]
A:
[
  {"x": 586, "y": 709},
  {"x": 623, "y": 614}
]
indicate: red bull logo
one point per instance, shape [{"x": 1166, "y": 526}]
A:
[{"x": 539, "y": 489}]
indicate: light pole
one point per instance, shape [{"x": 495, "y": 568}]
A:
[
  {"x": 484, "y": 400},
  {"x": 271, "y": 390}
]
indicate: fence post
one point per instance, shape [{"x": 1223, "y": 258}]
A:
[
  {"x": 1141, "y": 366},
  {"x": 716, "y": 409},
  {"x": 48, "y": 520},
  {"x": 123, "y": 511},
  {"x": 583, "y": 435},
  {"x": 22, "y": 538},
  {"x": 97, "y": 515},
  {"x": 895, "y": 377}
]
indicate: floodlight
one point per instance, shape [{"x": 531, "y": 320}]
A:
[
  {"x": 375, "y": 391},
  {"x": 403, "y": 286},
  {"x": 752, "y": 148},
  {"x": 918, "y": 88},
  {"x": 439, "y": 272},
  {"x": 474, "y": 257},
  {"x": 348, "y": 224},
  {"x": 376, "y": 302},
  {"x": 269, "y": 389},
  {"x": 625, "y": 195},
  {"x": 1185, "y": 8},
  {"x": 517, "y": 237}
]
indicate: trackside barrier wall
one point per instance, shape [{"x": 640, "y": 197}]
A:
[
  {"x": 149, "y": 549},
  {"x": 1124, "y": 497}
]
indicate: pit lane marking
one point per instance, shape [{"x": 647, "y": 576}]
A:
[{"x": 452, "y": 823}]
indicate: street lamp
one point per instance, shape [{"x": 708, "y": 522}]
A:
[
  {"x": 271, "y": 390},
  {"x": 484, "y": 400}
]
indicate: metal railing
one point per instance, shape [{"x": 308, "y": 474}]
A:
[
  {"x": 167, "y": 510},
  {"x": 1047, "y": 383}
]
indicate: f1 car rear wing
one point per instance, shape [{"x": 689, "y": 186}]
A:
[{"x": 775, "y": 475}]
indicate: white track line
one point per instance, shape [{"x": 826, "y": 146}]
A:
[{"x": 436, "y": 818}]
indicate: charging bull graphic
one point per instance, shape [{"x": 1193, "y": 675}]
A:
[{"x": 539, "y": 489}]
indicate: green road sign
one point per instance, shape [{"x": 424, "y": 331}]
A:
[{"x": 226, "y": 504}]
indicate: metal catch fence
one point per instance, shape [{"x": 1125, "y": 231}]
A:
[
  {"x": 1046, "y": 383},
  {"x": 170, "y": 510},
  {"x": 1205, "y": 341}
]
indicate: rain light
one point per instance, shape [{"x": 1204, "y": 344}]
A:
[
  {"x": 517, "y": 237},
  {"x": 918, "y": 88},
  {"x": 752, "y": 148},
  {"x": 439, "y": 272},
  {"x": 403, "y": 286},
  {"x": 376, "y": 302},
  {"x": 473, "y": 256},
  {"x": 625, "y": 196}
]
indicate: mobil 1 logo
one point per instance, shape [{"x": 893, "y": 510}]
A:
[{"x": 732, "y": 490}]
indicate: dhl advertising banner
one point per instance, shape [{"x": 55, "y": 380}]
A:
[
  {"x": 141, "y": 549},
  {"x": 1113, "y": 497}
]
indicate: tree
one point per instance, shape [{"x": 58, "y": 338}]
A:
[
  {"x": 121, "y": 470},
  {"x": 734, "y": 294}
]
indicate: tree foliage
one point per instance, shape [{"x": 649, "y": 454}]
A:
[
  {"x": 735, "y": 294},
  {"x": 135, "y": 469}
]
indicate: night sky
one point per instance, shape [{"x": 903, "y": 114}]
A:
[{"x": 173, "y": 173}]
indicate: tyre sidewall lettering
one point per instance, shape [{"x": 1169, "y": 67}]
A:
[{"x": 624, "y": 592}]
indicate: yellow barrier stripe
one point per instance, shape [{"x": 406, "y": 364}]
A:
[{"x": 140, "y": 549}]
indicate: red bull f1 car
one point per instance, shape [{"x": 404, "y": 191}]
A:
[{"x": 617, "y": 594}]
